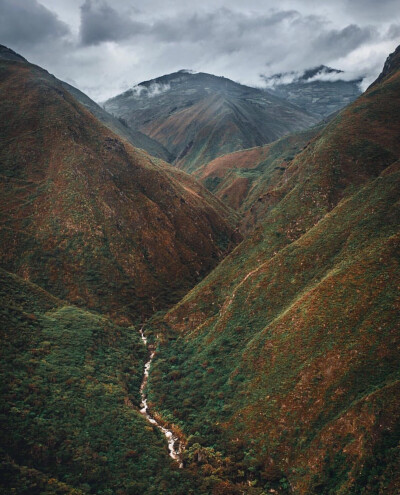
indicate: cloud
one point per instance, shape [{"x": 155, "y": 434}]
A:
[
  {"x": 28, "y": 22},
  {"x": 310, "y": 75},
  {"x": 151, "y": 90},
  {"x": 393, "y": 33},
  {"x": 110, "y": 46},
  {"x": 373, "y": 10},
  {"x": 100, "y": 23},
  {"x": 337, "y": 42}
]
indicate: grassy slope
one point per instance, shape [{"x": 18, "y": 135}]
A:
[
  {"x": 286, "y": 355},
  {"x": 219, "y": 124},
  {"x": 136, "y": 138},
  {"x": 70, "y": 390},
  {"x": 88, "y": 217}
]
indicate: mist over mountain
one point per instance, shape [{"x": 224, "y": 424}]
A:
[
  {"x": 320, "y": 90},
  {"x": 198, "y": 116}
]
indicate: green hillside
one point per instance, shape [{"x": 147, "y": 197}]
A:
[
  {"x": 285, "y": 357},
  {"x": 70, "y": 394}
]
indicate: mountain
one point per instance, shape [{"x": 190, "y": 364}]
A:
[
  {"x": 88, "y": 217},
  {"x": 281, "y": 366},
  {"x": 136, "y": 138},
  {"x": 319, "y": 90},
  {"x": 278, "y": 371},
  {"x": 198, "y": 116},
  {"x": 242, "y": 179},
  {"x": 392, "y": 64},
  {"x": 119, "y": 126}
]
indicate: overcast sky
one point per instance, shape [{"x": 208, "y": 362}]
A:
[{"x": 104, "y": 47}]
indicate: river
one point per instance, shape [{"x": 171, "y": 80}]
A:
[{"x": 174, "y": 443}]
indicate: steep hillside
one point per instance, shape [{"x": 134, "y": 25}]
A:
[
  {"x": 90, "y": 218},
  {"x": 319, "y": 90},
  {"x": 119, "y": 126},
  {"x": 245, "y": 180},
  {"x": 285, "y": 358},
  {"x": 198, "y": 116},
  {"x": 136, "y": 138},
  {"x": 69, "y": 402}
]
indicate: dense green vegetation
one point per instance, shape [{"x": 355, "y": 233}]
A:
[{"x": 70, "y": 393}]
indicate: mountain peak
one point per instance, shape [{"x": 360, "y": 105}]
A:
[
  {"x": 317, "y": 71},
  {"x": 322, "y": 90},
  {"x": 199, "y": 116},
  {"x": 183, "y": 76}
]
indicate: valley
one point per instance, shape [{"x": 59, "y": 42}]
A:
[{"x": 199, "y": 287}]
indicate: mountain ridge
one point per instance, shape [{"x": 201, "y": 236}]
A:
[
  {"x": 136, "y": 138},
  {"x": 315, "y": 90},
  {"x": 198, "y": 116},
  {"x": 90, "y": 218},
  {"x": 275, "y": 360}
]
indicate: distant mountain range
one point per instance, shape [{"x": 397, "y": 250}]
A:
[
  {"x": 198, "y": 116},
  {"x": 320, "y": 90}
]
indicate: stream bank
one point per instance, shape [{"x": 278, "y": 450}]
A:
[{"x": 175, "y": 446}]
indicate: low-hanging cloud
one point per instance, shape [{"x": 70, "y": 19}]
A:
[
  {"x": 323, "y": 74},
  {"x": 150, "y": 91}
]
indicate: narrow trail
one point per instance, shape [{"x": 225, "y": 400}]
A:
[
  {"x": 228, "y": 302},
  {"x": 175, "y": 446}
]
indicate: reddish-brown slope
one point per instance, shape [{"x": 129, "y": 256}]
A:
[
  {"x": 245, "y": 180},
  {"x": 286, "y": 355},
  {"x": 87, "y": 216},
  {"x": 218, "y": 167}
]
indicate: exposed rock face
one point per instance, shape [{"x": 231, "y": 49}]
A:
[
  {"x": 391, "y": 66},
  {"x": 198, "y": 116},
  {"x": 318, "y": 96}
]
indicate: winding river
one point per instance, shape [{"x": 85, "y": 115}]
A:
[{"x": 174, "y": 444}]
